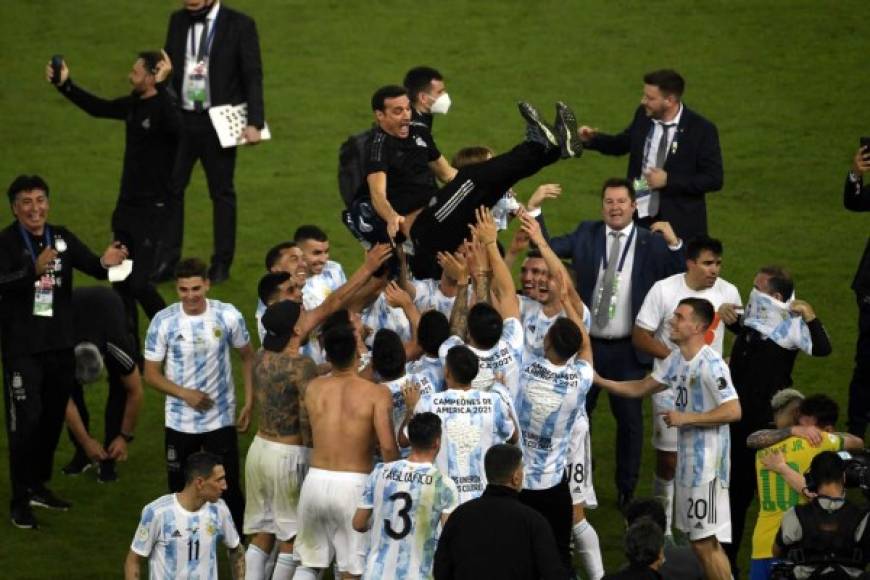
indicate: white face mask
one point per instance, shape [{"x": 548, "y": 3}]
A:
[{"x": 441, "y": 104}]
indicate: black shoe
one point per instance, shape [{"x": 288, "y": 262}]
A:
[
  {"x": 536, "y": 130},
  {"x": 566, "y": 131},
  {"x": 77, "y": 465},
  {"x": 624, "y": 499},
  {"x": 218, "y": 273},
  {"x": 22, "y": 517},
  {"x": 45, "y": 498},
  {"x": 164, "y": 272},
  {"x": 106, "y": 472}
]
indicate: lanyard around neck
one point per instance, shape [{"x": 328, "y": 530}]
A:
[
  {"x": 25, "y": 235},
  {"x": 624, "y": 250}
]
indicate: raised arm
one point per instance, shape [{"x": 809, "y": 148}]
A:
[
  {"x": 459, "y": 313},
  {"x": 634, "y": 389},
  {"x": 442, "y": 170},
  {"x": 504, "y": 295}
]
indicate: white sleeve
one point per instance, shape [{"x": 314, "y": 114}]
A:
[
  {"x": 155, "y": 340},
  {"x": 239, "y": 336},
  {"x": 228, "y": 528},
  {"x": 717, "y": 381},
  {"x": 445, "y": 348},
  {"x": 512, "y": 333},
  {"x": 650, "y": 315},
  {"x": 146, "y": 533},
  {"x": 661, "y": 374},
  {"x": 422, "y": 294}
]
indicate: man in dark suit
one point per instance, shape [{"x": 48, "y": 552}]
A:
[
  {"x": 674, "y": 156},
  {"x": 216, "y": 53},
  {"x": 616, "y": 264},
  {"x": 856, "y": 197}
]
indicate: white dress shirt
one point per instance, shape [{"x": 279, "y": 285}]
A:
[
  {"x": 620, "y": 325},
  {"x": 190, "y": 50}
]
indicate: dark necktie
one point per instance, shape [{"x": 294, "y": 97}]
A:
[
  {"x": 200, "y": 54},
  {"x": 662, "y": 152}
]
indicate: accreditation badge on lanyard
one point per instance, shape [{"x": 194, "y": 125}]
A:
[
  {"x": 614, "y": 296},
  {"x": 197, "y": 68},
  {"x": 43, "y": 288}
]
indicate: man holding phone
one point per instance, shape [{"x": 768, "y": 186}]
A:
[{"x": 856, "y": 197}]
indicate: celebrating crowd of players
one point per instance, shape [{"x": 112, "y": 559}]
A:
[{"x": 422, "y": 416}]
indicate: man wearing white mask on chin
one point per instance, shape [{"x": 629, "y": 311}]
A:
[
  {"x": 774, "y": 328},
  {"x": 428, "y": 95}
]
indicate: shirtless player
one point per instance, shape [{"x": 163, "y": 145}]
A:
[{"x": 349, "y": 417}]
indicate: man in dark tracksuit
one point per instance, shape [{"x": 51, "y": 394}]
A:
[
  {"x": 152, "y": 125},
  {"x": 36, "y": 338}
]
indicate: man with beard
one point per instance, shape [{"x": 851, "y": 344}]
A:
[{"x": 674, "y": 155}]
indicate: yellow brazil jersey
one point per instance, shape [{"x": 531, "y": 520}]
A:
[{"x": 774, "y": 494}]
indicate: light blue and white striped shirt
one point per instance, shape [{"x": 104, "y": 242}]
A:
[
  {"x": 407, "y": 500},
  {"x": 503, "y": 359},
  {"x": 549, "y": 400},
  {"x": 426, "y": 372},
  {"x": 195, "y": 351},
  {"x": 472, "y": 421},
  {"x": 319, "y": 286},
  {"x": 536, "y": 324},
  {"x": 700, "y": 385},
  {"x": 182, "y": 544}
]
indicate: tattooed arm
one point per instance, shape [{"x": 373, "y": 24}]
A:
[
  {"x": 456, "y": 268},
  {"x": 280, "y": 380}
]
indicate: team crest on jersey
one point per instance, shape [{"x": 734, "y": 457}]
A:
[
  {"x": 217, "y": 333},
  {"x": 142, "y": 534},
  {"x": 721, "y": 383},
  {"x": 420, "y": 142},
  {"x": 211, "y": 529}
]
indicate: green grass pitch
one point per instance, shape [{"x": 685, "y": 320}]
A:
[{"x": 785, "y": 82}]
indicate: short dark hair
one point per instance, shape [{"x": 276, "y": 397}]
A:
[
  {"x": 643, "y": 543},
  {"x": 698, "y": 244},
  {"x": 388, "y": 92},
  {"x": 309, "y": 232},
  {"x": 471, "y": 156},
  {"x": 388, "y": 355},
  {"x": 485, "y": 325},
  {"x": 338, "y": 318},
  {"x": 201, "y": 464},
  {"x": 565, "y": 337},
  {"x": 669, "y": 81},
  {"x": 339, "y": 342},
  {"x": 150, "y": 59},
  {"x": 821, "y": 407},
  {"x": 534, "y": 254},
  {"x": 702, "y": 310},
  {"x": 191, "y": 268},
  {"x": 267, "y": 288},
  {"x": 462, "y": 363},
  {"x": 274, "y": 253},
  {"x": 433, "y": 329},
  {"x": 419, "y": 78},
  {"x": 618, "y": 182},
  {"x": 646, "y": 508},
  {"x": 500, "y": 463},
  {"x": 423, "y": 430},
  {"x": 779, "y": 280},
  {"x": 827, "y": 467},
  {"x": 26, "y": 183}
]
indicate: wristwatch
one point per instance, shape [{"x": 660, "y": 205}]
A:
[{"x": 128, "y": 437}]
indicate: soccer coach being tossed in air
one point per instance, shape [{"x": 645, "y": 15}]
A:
[{"x": 398, "y": 162}]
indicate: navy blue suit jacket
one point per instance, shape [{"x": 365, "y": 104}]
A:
[
  {"x": 653, "y": 261},
  {"x": 235, "y": 70},
  {"x": 856, "y": 197},
  {"x": 693, "y": 165}
]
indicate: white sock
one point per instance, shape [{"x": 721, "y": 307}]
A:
[
  {"x": 305, "y": 573},
  {"x": 587, "y": 546},
  {"x": 255, "y": 563},
  {"x": 284, "y": 567},
  {"x": 663, "y": 490}
]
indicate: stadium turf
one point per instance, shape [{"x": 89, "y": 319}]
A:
[{"x": 785, "y": 82}]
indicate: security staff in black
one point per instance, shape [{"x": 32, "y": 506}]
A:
[
  {"x": 36, "y": 338},
  {"x": 824, "y": 538},
  {"x": 152, "y": 125}
]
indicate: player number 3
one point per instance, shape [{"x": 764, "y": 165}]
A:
[{"x": 405, "y": 498}]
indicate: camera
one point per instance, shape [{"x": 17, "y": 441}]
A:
[{"x": 857, "y": 471}]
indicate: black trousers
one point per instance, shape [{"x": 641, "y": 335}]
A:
[
  {"x": 140, "y": 229},
  {"x": 223, "y": 442},
  {"x": 112, "y": 417},
  {"x": 199, "y": 142},
  {"x": 555, "y": 505},
  {"x": 36, "y": 389},
  {"x": 616, "y": 359},
  {"x": 859, "y": 388},
  {"x": 444, "y": 225},
  {"x": 742, "y": 487}
]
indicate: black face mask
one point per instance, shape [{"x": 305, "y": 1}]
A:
[{"x": 200, "y": 14}]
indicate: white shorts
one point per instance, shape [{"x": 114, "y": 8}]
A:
[
  {"x": 579, "y": 468},
  {"x": 326, "y": 507},
  {"x": 274, "y": 473},
  {"x": 703, "y": 511},
  {"x": 664, "y": 438}
]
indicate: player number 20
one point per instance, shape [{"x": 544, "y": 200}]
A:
[
  {"x": 403, "y": 514},
  {"x": 697, "y": 509},
  {"x": 682, "y": 397}
]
